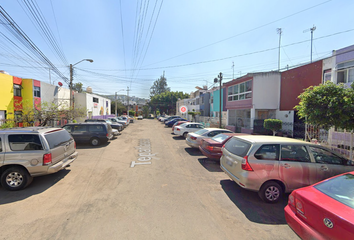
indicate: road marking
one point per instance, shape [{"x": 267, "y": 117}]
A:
[
  {"x": 145, "y": 154},
  {"x": 138, "y": 163}
]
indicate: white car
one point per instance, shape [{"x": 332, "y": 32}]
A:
[
  {"x": 186, "y": 128},
  {"x": 194, "y": 139},
  {"x": 115, "y": 132}
]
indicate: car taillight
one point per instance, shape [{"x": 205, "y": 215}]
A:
[
  {"x": 178, "y": 129},
  {"x": 245, "y": 164},
  {"x": 193, "y": 138},
  {"x": 47, "y": 159},
  {"x": 107, "y": 135},
  {"x": 210, "y": 148},
  {"x": 74, "y": 144}
]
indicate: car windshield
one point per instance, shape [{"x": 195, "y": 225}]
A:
[
  {"x": 183, "y": 124},
  {"x": 220, "y": 138},
  {"x": 340, "y": 188},
  {"x": 201, "y": 131}
]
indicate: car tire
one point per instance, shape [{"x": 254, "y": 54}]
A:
[
  {"x": 15, "y": 178},
  {"x": 185, "y": 134},
  {"x": 95, "y": 141},
  {"x": 270, "y": 192}
]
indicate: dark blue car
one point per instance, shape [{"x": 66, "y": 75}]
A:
[{"x": 173, "y": 121}]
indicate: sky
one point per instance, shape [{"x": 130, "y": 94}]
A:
[{"x": 134, "y": 42}]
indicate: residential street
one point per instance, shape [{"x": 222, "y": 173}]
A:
[{"x": 180, "y": 195}]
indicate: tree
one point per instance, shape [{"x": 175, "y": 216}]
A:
[
  {"x": 166, "y": 101},
  {"x": 120, "y": 107},
  {"x": 146, "y": 110},
  {"x": 159, "y": 86},
  {"x": 77, "y": 87},
  {"x": 327, "y": 105},
  {"x": 273, "y": 124},
  {"x": 131, "y": 113}
]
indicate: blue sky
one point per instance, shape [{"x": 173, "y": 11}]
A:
[{"x": 132, "y": 42}]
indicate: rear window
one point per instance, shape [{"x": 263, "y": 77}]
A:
[
  {"x": 237, "y": 147},
  {"x": 220, "y": 138},
  {"x": 24, "y": 142},
  {"x": 201, "y": 131},
  {"x": 97, "y": 128},
  {"x": 57, "y": 138},
  {"x": 340, "y": 188}
]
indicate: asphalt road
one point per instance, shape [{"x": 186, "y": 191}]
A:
[{"x": 176, "y": 193}]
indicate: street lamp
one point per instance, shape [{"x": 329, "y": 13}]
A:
[
  {"x": 116, "y": 99},
  {"x": 71, "y": 79},
  {"x": 219, "y": 79}
]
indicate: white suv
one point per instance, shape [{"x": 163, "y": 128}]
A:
[{"x": 34, "y": 151}]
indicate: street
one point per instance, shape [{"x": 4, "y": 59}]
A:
[{"x": 146, "y": 184}]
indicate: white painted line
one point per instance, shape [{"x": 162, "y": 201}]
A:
[{"x": 137, "y": 163}]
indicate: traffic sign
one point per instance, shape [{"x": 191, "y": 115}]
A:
[{"x": 183, "y": 109}]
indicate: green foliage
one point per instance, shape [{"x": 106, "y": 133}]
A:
[
  {"x": 273, "y": 124},
  {"x": 159, "y": 86},
  {"x": 157, "y": 112},
  {"x": 8, "y": 124},
  {"x": 120, "y": 107},
  {"x": 193, "y": 114},
  {"x": 145, "y": 110},
  {"x": 78, "y": 87},
  {"x": 131, "y": 113},
  {"x": 327, "y": 105},
  {"x": 166, "y": 102}
]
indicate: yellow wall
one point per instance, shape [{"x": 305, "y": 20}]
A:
[
  {"x": 7, "y": 95},
  {"x": 27, "y": 93}
]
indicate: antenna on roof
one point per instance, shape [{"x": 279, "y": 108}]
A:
[{"x": 312, "y": 30}]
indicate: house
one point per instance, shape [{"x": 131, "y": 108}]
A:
[{"x": 250, "y": 97}]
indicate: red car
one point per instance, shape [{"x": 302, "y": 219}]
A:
[
  {"x": 211, "y": 147},
  {"x": 177, "y": 124},
  {"x": 324, "y": 210}
]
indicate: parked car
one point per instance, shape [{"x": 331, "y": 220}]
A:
[
  {"x": 119, "y": 120},
  {"x": 114, "y": 125},
  {"x": 173, "y": 121},
  {"x": 324, "y": 210},
  {"x": 33, "y": 151},
  {"x": 115, "y": 132},
  {"x": 140, "y": 117},
  {"x": 273, "y": 165},
  {"x": 125, "y": 118},
  {"x": 170, "y": 118},
  {"x": 211, "y": 147},
  {"x": 131, "y": 119},
  {"x": 163, "y": 117},
  {"x": 177, "y": 124},
  {"x": 194, "y": 139},
  {"x": 94, "y": 133},
  {"x": 186, "y": 128}
]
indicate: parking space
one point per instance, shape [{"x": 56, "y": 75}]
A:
[{"x": 171, "y": 192}]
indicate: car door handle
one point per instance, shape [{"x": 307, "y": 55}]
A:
[
  {"x": 286, "y": 165},
  {"x": 324, "y": 168}
]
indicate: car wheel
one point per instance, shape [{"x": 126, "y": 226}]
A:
[
  {"x": 15, "y": 178},
  {"x": 270, "y": 192},
  {"x": 95, "y": 141},
  {"x": 185, "y": 135}
]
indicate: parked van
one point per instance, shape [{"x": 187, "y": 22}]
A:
[
  {"x": 33, "y": 151},
  {"x": 94, "y": 133}
]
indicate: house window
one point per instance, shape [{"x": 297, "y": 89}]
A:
[
  {"x": 37, "y": 92},
  {"x": 17, "y": 90},
  {"x": 240, "y": 91},
  {"x": 95, "y": 100},
  {"x": 212, "y": 99},
  {"x": 345, "y": 76}
]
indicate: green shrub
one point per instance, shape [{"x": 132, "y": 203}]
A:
[{"x": 273, "y": 124}]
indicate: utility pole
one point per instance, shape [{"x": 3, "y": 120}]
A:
[
  {"x": 279, "y": 31},
  {"x": 312, "y": 30},
  {"x": 71, "y": 86},
  {"x": 219, "y": 79},
  {"x": 128, "y": 100},
  {"x": 116, "y": 104}
]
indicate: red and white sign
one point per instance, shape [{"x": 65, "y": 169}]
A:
[{"x": 183, "y": 109}]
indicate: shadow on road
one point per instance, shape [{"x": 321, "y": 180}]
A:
[
  {"x": 210, "y": 165},
  {"x": 178, "y": 138},
  {"x": 38, "y": 185},
  {"x": 252, "y": 206},
  {"x": 87, "y": 146},
  {"x": 193, "y": 151}
]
